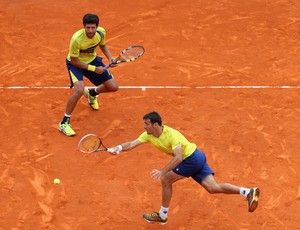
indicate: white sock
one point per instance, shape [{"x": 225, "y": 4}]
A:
[
  {"x": 244, "y": 191},
  {"x": 163, "y": 213},
  {"x": 67, "y": 115}
]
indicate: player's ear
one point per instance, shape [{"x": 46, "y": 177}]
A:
[{"x": 155, "y": 125}]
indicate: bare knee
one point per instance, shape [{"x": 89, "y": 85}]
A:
[
  {"x": 107, "y": 88},
  {"x": 211, "y": 189},
  {"x": 164, "y": 180},
  {"x": 210, "y": 184},
  {"x": 78, "y": 92},
  {"x": 169, "y": 178},
  {"x": 114, "y": 88}
]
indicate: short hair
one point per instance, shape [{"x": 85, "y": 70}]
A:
[
  {"x": 90, "y": 19},
  {"x": 154, "y": 117}
]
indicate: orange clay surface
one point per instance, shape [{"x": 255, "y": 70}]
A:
[{"x": 250, "y": 135}]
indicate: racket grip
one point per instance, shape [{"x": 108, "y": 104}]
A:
[{"x": 106, "y": 67}]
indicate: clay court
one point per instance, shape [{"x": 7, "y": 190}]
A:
[{"x": 225, "y": 73}]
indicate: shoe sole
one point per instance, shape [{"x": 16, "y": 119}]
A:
[
  {"x": 155, "y": 222},
  {"x": 92, "y": 107},
  {"x": 255, "y": 198}
]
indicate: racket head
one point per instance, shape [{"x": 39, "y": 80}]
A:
[
  {"x": 131, "y": 53},
  {"x": 89, "y": 143}
]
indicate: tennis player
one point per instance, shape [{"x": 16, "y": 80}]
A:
[
  {"x": 187, "y": 161},
  {"x": 83, "y": 61}
]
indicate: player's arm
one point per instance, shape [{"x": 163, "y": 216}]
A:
[
  {"x": 75, "y": 62},
  {"x": 108, "y": 55},
  {"x": 125, "y": 146},
  {"x": 176, "y": 160}
]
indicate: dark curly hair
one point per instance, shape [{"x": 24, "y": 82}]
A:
[{"x": 90, "y": 19}]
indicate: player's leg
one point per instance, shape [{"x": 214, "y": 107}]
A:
[
  {"x": 252, "y": 194},
  {"x": 167, "y": 181},
  {"x": 205, "y": 177},
  {"x": 65, "y": 126},
  {"x": 76, "y": 80},
  {"x": 74, "y": 98},
  {"x": 212, "y": 186},
  {"x": 104, "y": 83},
  {"x": 188, "y": 167},
  {"x": 108, "y": 86}
]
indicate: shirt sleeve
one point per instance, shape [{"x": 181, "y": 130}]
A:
[
  {"x": 74, "y": 48},
  {"x": 102, "y": 33},
  {"x": 143, "y": 137},
  {"x": 174, "y": 143},
  {"x": 175, "y": 139}
]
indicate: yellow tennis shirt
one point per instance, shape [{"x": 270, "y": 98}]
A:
[
  {"x": 84, "y": 47},
  {"x": 169, "y": 140}
]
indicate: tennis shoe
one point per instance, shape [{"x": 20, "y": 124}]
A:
[
  {"x": 154, "y": 218},
  {"x": 66, "y": 129},
  {"x": 91, "y": 99},
  {"x": 252, "y": 199}
]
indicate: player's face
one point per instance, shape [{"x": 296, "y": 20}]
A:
[
  {"x": 90, "y": 30},
  {"x": 148, "y": 126}
]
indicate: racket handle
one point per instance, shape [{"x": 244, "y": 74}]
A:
[{"x": 107, "y": 66}]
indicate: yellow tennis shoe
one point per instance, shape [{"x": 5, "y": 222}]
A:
[
  {"x": 154, "y": 218},
  {"x": 66, "y": 129},
  {"x": 92, "y": 100}
]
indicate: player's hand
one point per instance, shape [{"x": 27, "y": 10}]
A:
[
  {"x": 156, "y": 174},
  {"x": 114, "y": 151},
  {"x": 113, "y": 62},
  {"x": 100, "y": 70}
]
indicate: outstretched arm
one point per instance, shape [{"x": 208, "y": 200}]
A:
[{"x": 125, "y": 146}]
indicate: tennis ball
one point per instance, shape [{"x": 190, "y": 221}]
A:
[{"x": 56, "y": 181}]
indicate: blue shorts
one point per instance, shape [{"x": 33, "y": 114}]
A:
[
  {"x": 194, "y": 166},
  {"x": 76, "y": 74}
]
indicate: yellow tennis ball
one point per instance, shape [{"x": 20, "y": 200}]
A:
[{"x": 56, "y": 181}]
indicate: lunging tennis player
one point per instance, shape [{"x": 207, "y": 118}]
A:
[{"x": 187, "y": 161}]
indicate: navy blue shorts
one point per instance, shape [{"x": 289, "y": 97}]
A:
[
  {"x": 76, "y": 74},
  {"x": 194, "y": 166}
]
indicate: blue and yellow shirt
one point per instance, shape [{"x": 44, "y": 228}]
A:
[
  {"x": 84, "y": 47},
  {"x": 169, "y": 140}
]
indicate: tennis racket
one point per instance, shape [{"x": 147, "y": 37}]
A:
[
  {"x": 91, "y": 143},
  {"x": 129, "y": 54}
]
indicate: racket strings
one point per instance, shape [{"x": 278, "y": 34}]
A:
[
  {"x": 132, "y": 53},
  {"x": 90, "y": 144}
]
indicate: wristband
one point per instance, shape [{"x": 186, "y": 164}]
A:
[
  {"x": 91, "y": 68},
  {"x": 119, "y": 147}
]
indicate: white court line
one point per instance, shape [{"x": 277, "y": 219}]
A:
[{"x": 167, "y": 87}]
